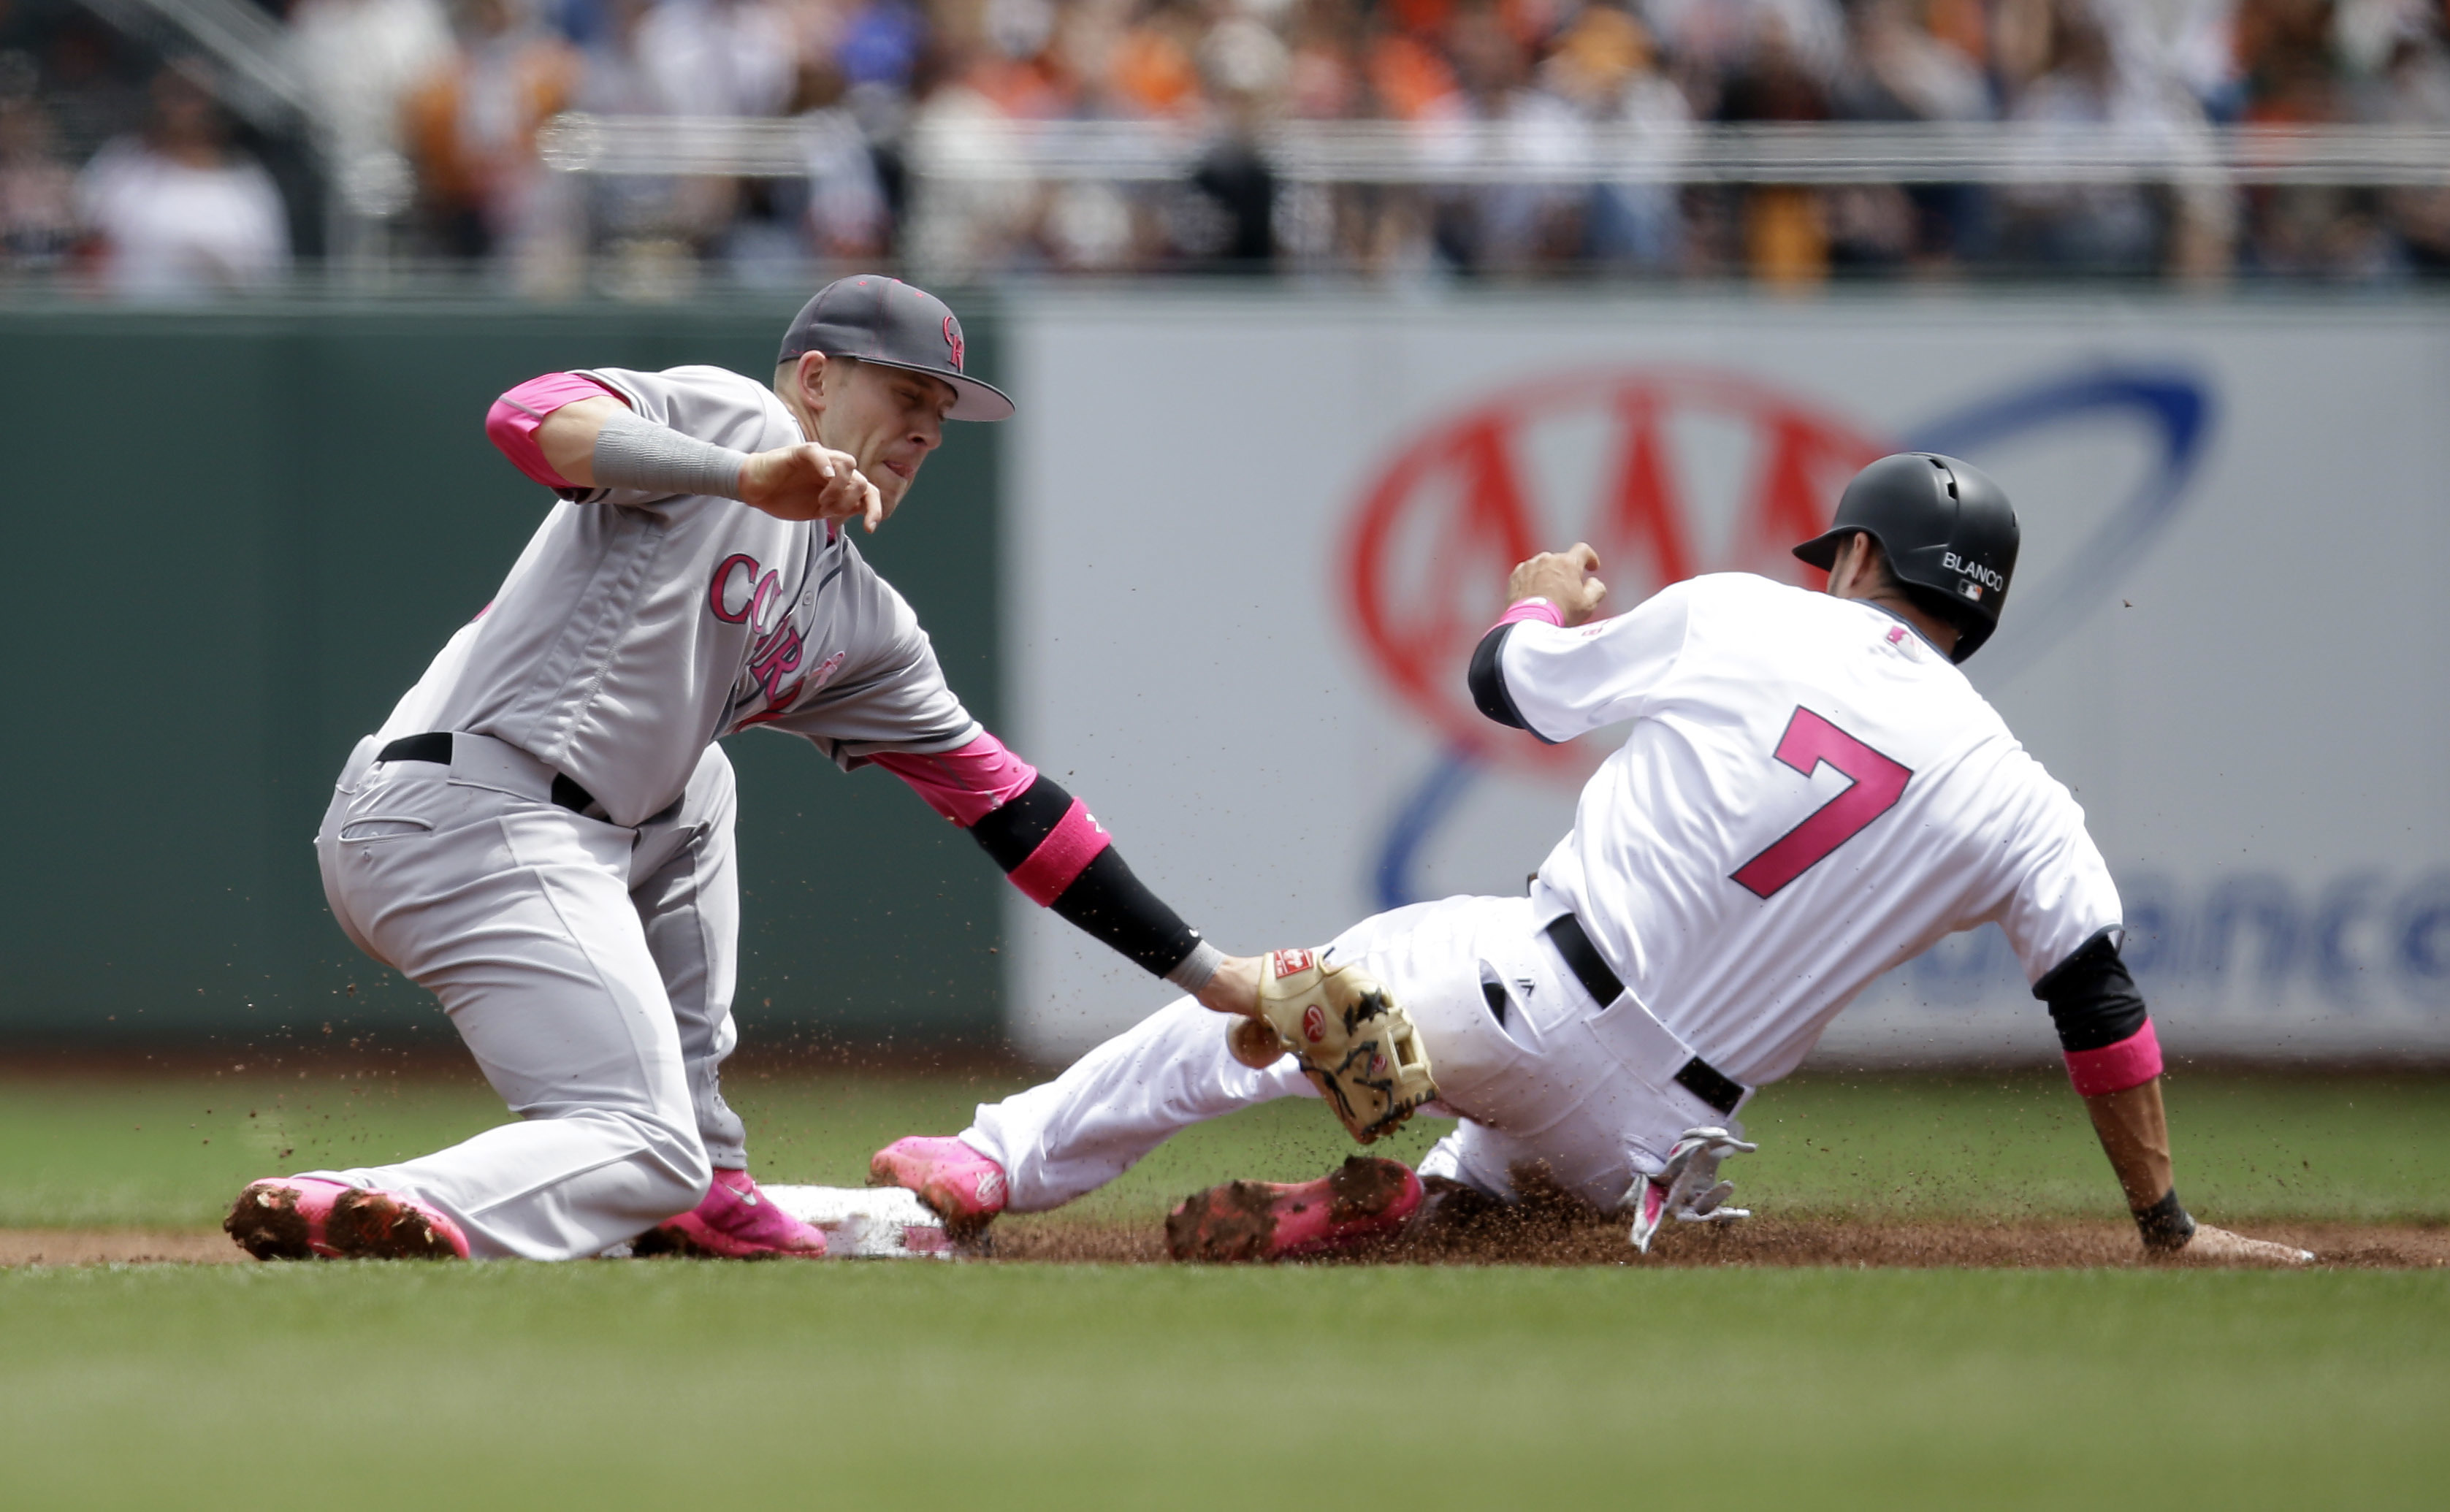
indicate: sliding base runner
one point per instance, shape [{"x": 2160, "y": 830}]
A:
[{"x": 1810, "y": 794}]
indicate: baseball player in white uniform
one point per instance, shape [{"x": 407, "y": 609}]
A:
[
  {"x": 541, "y": 833},
  {"x": 1810, "y": 794}
]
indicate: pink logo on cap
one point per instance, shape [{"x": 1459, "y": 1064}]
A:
[{"x": 953, "y": 340}]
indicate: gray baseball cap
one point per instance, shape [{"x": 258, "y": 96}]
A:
[{"x": 879, "y": 319}]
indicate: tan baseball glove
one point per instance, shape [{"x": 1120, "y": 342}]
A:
[{"x": 1355, "y": 1045}]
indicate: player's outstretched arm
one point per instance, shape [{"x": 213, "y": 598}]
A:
[
  {"x": 2115, "y": 1059},
  {"x": 1053, "y": 849},
  {"x": 2134, "y": 1133},
  {"x": 1353, "y": 1041}
]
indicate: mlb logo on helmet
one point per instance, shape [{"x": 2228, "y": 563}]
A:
[
  {"x": 1972, "y": 569},
  {"x": 953, "y": 340}
]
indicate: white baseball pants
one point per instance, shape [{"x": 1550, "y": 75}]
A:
[
  {"x": 588, "y": 966},
  {"x": 1585, "y": 1089}
]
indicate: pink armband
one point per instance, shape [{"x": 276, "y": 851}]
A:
[
  {"x": 1062, "y": 857},
  {"x": 968, "y": 784},
  {"x": 965, "y": 784},
  {"x": 1538, "y": 608},
  {"x": 2131, "y": 1062},
  {"x": 511, "y": 424}
]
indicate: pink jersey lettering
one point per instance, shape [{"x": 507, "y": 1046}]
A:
[
  {"x": 721, "y": 592},
  {"x": 775, "y": 660}
]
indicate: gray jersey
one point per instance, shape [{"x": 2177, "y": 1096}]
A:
[{"x": 634, "y": 629}]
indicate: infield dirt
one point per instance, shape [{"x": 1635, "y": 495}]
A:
[
  {"x": 1989, "y": 1171},
  {"x": 1753, "y": 1241}
]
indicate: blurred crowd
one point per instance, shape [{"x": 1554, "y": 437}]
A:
[{"x": 417, "y": 127}]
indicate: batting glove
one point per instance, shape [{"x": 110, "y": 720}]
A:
[{"x": 1687, "y": 1186}]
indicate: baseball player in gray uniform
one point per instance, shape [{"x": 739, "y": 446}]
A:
[
  {"x": 541, "y": 833},
  {"x": 1810, "y": 793}
]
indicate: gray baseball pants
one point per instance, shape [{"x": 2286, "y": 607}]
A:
[{"x": 588, "y": 966}]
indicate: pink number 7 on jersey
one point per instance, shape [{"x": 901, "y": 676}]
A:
[{"x": 1876, "y": 781}]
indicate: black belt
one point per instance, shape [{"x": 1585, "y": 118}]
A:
[
  {"x": 1698, "y": 1076},
  {"x": 434, "y": 745}
]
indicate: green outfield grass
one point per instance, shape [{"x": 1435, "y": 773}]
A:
[
  {"x": 916, "y": 1385},
  {"x": 170, "y": 1152}
]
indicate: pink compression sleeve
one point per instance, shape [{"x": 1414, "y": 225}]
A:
[
  {"x": 966, "y": 784},
  {"x": 2131, "y": 1062},
  {"x": 511, "y": 424}
]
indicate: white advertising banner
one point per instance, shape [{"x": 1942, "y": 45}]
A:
[{"x": 1253, "y": 539}]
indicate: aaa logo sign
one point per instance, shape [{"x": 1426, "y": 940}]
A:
[{"x": 1668, "y": 472}]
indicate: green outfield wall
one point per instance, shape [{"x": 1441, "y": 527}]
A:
[{"x": 237, "y": 537}]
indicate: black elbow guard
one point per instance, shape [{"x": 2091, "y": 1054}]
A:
[
  {"x": 1487, "y": 681},
  {"x": 1013, "y": 831},
  {"x": 2094, "y": 1000}
]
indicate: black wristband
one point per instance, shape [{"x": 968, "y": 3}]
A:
[
  {"x": 1109, "y": 904},
  {"x": 2165, "y": 1224}
]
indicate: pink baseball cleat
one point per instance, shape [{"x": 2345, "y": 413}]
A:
[
  {"x": 308, "y": 1218},
  {"x": 1267, "y": 1220},
  {"x": 735, "y": 1222},
  {"x": 965, "y": 1187}
]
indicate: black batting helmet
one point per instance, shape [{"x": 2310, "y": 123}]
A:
[{"x": 1949, "y": 531}]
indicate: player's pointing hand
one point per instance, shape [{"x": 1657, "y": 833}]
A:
[
  {"x": 811, "y": 482},
  {"x": 1563, "y": 578}
]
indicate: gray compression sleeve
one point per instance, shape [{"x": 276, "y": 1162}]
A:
[{"x": 632, "y": 452}]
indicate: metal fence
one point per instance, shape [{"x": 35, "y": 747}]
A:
[
  {"x": 1466, "y": 153},
  {"x": 982, "y": 197}
]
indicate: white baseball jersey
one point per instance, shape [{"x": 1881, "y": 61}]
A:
[
  {"x": 1809, "y": 795},
  {"x": 634, "y": 629}
]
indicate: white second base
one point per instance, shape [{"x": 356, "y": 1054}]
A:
[{"x": 867, "y": 1223}]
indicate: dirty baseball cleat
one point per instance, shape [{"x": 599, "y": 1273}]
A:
[
  {"x": 308, "y": 1218},
  {"x": 965, "y": 1187},
  {"x": 1267, "y": 1220},
  {"x": 735, "y": 1222}
]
